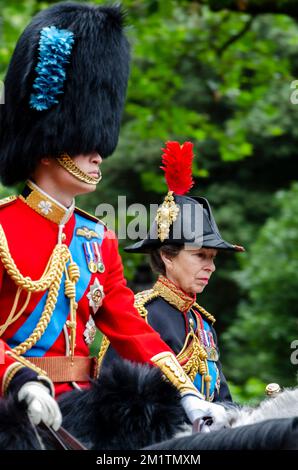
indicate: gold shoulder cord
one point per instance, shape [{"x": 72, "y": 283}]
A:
[
  {"x": 205, "y": 313},
  {"x": 166, "y": 361},
  {"x": 142, "y": 298},
  {"x": 51, "y": 280}
]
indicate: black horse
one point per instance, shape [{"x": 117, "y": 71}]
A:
[{"x": 132, "y": 407}]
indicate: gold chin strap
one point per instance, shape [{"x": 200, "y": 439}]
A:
[{"x": 67, "y": 162}]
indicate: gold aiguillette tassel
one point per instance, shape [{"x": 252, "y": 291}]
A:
[{"x": 72, "y": 277}]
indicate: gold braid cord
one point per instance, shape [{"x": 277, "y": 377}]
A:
[
  {"x": 192, "y": 357},
  {"x": 105, "y": 343},
  {"x": 51, "y": 280},
  {"x": 204, "y": 312},
  {"x": 60, "y": 253},
  {"x": 142, "y": 298}
]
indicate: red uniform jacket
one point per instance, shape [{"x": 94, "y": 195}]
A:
[{"x": 31, "y": 226}]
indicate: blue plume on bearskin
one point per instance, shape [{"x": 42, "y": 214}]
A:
[{"x": 54, "y": 48}]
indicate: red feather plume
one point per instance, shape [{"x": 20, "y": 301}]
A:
[{"x": 177, "y": 165}]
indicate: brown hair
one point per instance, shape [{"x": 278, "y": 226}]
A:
[{"x": 156, "y": 261}]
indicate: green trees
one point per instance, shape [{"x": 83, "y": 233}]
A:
[{"x": 259, "y": 341}]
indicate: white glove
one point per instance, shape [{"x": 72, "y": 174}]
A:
[
  {"x": 41, "y": 405},
  {"x": 196, "y": 408}
]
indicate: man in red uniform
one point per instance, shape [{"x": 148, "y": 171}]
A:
[{"x": 60, "y": 271}]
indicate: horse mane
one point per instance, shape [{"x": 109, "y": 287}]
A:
[
  {"x": 132, "y": 407},
  {"x": 284, "y": 405},
  {"x": 274, "y": 434},
  {"x": 271, "y": 425}
]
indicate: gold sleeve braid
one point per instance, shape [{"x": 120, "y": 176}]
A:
[
  {"x": 170, "y": 367},
  {"x": 9, "y": 375},
  {"x": 26, "y": 363},
  {"x": 21, "y": 363}
]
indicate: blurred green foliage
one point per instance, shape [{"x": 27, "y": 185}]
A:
[
  {"x": 250, "y": 393},
  {"x": 259, "y": 340},
  {"x": 223, "y": 80}
]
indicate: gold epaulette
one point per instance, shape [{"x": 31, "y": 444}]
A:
[
  {"x": 7, "y": 200},
  {"x": 89, "y": 216},
  {"x": 204, "y": 312},
  {"x": 142, "y": 298}
]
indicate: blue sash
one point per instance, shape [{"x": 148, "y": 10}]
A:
[
  {"x": 213, "y": 370},
  {"x": 61, "y": 311}
]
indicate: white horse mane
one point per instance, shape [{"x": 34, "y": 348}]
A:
[{"x": 284, "y": 405}]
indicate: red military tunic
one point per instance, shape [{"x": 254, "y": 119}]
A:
[{"x": 32, "y": 224}]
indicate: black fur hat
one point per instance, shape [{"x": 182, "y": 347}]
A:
[{"x": 84, "y": 116}]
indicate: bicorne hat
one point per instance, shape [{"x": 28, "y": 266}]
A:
[{"x": 180, "y": 219}]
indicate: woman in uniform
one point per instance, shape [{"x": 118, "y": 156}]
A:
[{"x": 182, "y": 245}]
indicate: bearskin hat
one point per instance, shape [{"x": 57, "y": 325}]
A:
[{"x": 65, "y": 87}]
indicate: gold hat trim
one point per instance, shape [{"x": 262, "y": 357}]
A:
[{"x": 166, "y": 214}]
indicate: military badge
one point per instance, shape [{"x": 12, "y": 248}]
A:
[
  {"x": 86, "y": 233},
  {"x": 95, "y": 295},
  {"x": 212, "y": 353},
  {"x": 90, "y": 331},
  {"x": 45, "y": 207}
]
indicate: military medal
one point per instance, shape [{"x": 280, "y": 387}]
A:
[
  {"x": 92, "y": 267},
  {"x": 90, "y": 258},
  {"x": 99, "y": 263},
  {"x": 95, "y": 295},
  {"x": 209, "y": 346}
]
